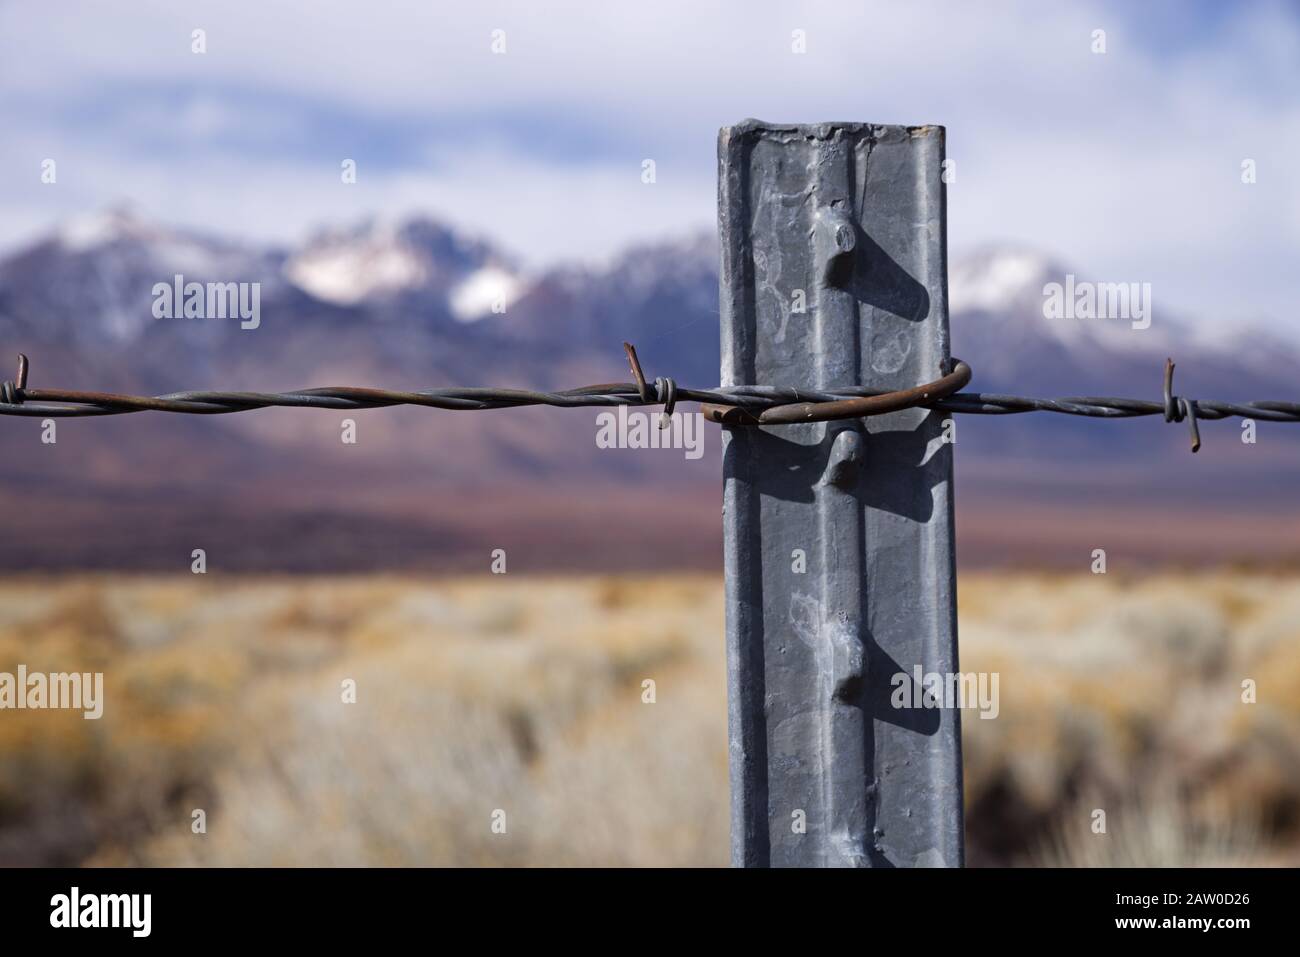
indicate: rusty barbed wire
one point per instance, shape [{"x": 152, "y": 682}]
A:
[{"x": 733, "y": 405}]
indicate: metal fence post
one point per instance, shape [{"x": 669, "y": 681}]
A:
[{"x": 838, "y": 535}]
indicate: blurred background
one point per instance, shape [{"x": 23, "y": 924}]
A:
[{"x": 499, "y": 153}]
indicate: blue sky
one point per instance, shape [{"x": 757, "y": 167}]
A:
[{"x": 1126, "y": 165}]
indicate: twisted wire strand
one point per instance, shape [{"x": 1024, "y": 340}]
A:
[{"x": 18, "y": 400}]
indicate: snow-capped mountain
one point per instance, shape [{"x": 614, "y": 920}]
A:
[
  {"x": 415, "y": 304},
  {"x": 661, "y": 296},
  {"x": 998, "y": 279},
  {"x": 999, "y": 298},
  {"x": 376, "y": 261},
  {"x": 1007, "y": 293},
  {"x": 87, "y": 286},
  {"x": 90, "y": 281}
]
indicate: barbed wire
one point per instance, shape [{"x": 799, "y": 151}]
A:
[{"x": 733, "y": 405}]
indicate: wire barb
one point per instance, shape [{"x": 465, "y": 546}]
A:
[
  {"x": 11, "y": 392},
  {"x": 665, "y": 391},
  {"x": 637, "y": 374},
  {"x": 1178, "y": 408}
]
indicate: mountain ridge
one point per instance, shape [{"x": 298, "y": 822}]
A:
[{"x": 78, "y": 302}]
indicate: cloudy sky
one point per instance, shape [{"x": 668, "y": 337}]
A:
[{"x": 1126, "y": 165}]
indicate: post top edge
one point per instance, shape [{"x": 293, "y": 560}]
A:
[{"x": 825, "y": 130}]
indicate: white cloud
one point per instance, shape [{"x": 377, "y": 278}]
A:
[{"x": 1125, "y": 164}]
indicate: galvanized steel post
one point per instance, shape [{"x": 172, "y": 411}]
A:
[{"x": 838, "y": 535}]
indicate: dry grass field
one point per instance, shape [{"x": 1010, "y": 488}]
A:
[{"x": 525, "y": 695}]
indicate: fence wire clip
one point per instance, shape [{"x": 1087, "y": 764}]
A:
[{"x": 854, "y": 408}]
